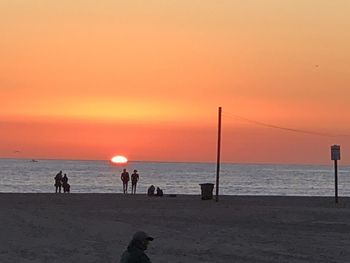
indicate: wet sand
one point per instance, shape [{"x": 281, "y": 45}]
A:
[{"x": 97, "y": 228}]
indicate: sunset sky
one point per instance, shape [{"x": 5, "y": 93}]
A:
[{"x": 89, "y": 79}]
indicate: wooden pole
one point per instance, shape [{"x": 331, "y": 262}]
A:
[
  {"x": 218, "y": 157},
  {"x": 336, "y": 180}
]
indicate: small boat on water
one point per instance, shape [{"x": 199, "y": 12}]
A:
[{"x": 34, "y": 161}]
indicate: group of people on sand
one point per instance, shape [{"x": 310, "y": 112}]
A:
[
  {"x": 135, "y": 177},
  {"x": 151, "y": 189},
  {"x": 62, "y": 181},
  {"x": 126, "y": 178}
]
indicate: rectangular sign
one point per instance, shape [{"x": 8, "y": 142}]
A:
[{"x": 335, "y": 152}]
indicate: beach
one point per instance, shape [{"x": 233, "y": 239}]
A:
[{"x": 98, "y": 227}]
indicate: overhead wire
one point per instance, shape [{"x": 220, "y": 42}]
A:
[{"x": 274, "y": 126}]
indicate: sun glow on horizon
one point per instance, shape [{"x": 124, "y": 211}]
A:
[{"x": 119, "y": 159}]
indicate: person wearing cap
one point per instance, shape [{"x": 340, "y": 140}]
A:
[
  {"x": 134, "y": 180},
  {"x": 135, "y": 253}
]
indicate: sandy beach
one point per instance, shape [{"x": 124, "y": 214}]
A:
[{"x": 97, "y": 228}]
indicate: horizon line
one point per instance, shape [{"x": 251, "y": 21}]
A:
[{"x": 153, "y": 161}]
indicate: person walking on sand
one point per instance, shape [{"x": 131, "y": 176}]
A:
[
  {"x": 134, "y": 179},
  {"x": 58, "y": 182},
  {"x": 125, "y": 179},
  {"x": 135, "y": 253}
]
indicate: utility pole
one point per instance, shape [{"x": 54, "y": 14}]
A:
[{"x": 218, "y": 156}]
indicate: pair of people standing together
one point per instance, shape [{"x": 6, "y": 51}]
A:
[
  {"x": 126, "y": 178},
  {"x": 61, "y": 181}
]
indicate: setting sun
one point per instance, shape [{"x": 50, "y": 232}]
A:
[{"x": 119, "y": 159}]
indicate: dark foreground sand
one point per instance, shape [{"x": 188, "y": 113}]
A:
[{"x": 97, "y": 227}]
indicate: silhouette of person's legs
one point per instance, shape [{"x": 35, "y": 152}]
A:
[
  {"x": 133, "y": 188},
  {"x": 125, "y": 188}
]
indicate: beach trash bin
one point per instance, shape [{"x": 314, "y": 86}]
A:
[{"x": 207, "y": 191}]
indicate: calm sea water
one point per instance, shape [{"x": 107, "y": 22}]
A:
[{"x": 25, "y": 176}]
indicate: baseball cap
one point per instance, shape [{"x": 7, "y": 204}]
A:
[{"x": 141, "y": 236}]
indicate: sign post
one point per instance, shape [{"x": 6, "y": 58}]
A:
[
  {"x": 335, "y": 156},
  {"x": 218, "y": 156}
]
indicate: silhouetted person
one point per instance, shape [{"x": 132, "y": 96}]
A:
[
  {"x": 159, "y": 192},
  {"x": 58, "y": 181},
  {"x": 64, "y": 179},
  {"x": 67, "y": 188},
  {"x": 135, "y": 253},
  {"x": 65, "y": 184},
  {"x": 125, "y": 179},
  {"x": 134, "y": 179},
  {"x": 150, "y": 191}
]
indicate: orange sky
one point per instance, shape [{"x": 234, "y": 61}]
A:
[{"x": 92, "y": 79}]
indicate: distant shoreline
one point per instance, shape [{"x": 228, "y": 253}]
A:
[
  {"x": 183, "y": 196},
  {"x": 250, "y": 198}
]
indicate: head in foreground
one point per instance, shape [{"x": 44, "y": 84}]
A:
[{"x": 136, "y": 249}]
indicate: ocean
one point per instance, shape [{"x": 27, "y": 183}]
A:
[{"x": 26, "y": 176}]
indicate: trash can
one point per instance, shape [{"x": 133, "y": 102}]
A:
[{"x": 207, "y": 191}]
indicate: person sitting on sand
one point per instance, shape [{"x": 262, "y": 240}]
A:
[
  {"x": 125, "y": 179},
  {"x": 134, "y": 180},
  {"x": 159, "y": 192},
  {"x": 65, "y": 184},
  {"x": 58, "y": 181},
  {"x": 150, "y": 191},
  {"x": 66, "y": 188},
  {"x": 135, "y": 253}
]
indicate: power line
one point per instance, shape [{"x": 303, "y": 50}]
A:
[{"x": 235, "y": 116}]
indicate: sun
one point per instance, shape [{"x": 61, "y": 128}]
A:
[{"x": 119, "y": 159}]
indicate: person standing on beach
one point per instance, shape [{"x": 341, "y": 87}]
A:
[
  {"x": 134, "y": 180},
  {"x": 65, "y": 184},
  {"x": 58, "y": 181},
  {"x": 125, "y": 179},
  {"x": 135, "y": 253}
]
